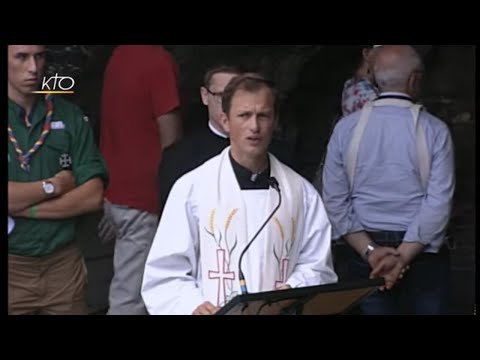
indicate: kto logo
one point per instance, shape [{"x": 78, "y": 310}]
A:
[{"x": 57, "y": 85}]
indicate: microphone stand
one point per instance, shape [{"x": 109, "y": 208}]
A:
[{"x": 243, "y": 285}]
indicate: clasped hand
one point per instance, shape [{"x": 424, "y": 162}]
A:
[{"x": 388, "y": 263}]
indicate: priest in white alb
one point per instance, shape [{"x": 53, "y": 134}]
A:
[{"x": 214, "y": 211}]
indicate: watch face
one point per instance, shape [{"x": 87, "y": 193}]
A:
[{"x": 49, "y": 188}]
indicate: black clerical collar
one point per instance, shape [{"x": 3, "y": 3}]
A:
[
  {"x": 395, "y": 95},
  {"x": 248, "y": 180}
]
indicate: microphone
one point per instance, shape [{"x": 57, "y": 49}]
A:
[
  {"x": 243, "y": 285},
  {"x": 274, "y": 183}
]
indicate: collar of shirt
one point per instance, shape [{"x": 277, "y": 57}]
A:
[
  {"x": 248, "y": 180},
  {"x": 215, "y": 131},
  {"x": 19, "y": 111},
  {"x": 395, "y": 95}
]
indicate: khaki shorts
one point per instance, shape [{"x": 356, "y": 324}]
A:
[{"x": 50, "y": 285}]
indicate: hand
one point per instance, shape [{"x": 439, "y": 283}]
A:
[
  {"x": 207, "y": 308},
  {"x": 391, "y": 270},
  {"x": 107, "y": 230},
  {"x": 402, "y": 272},
  {"x": 283, "y": 287},
  {"x": 386, "y": 264},
  {"x": 64, "y": 181},
  {"x": 380, "y": 253}
]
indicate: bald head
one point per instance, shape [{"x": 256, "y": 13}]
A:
[{"x": 397, "y": 68}]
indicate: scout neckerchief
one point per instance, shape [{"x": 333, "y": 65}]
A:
[{"x": 24, "y": 159}]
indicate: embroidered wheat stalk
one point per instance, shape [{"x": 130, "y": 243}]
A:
[
  {"x": 280, "y": 228},
  {"x": 229, "y": 250},
  {"x": 229, "y": 219},
  {"x": 212, "y": 220},
  {"x": 227, "y": 225},
  {"x": 289, "y": 244}
]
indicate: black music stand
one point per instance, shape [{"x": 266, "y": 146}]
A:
[{"x": 329, "y": 299}]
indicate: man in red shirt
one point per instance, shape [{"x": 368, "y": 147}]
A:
[{"x": 140, "y": 117}]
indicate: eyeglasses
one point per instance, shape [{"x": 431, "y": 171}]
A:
[{"x": 218, "y": 94}]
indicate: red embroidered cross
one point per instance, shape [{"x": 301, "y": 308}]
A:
[
  {"x": 221, "y": 275},
  {"x": 283, "y": 274}
]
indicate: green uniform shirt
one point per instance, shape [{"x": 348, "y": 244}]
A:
[{"x": 70, "y": 138}]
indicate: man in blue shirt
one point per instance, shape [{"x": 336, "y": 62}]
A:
[{"x": 388, "y": 186}]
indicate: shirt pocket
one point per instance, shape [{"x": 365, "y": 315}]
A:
[{"x": 58, "y": 153}]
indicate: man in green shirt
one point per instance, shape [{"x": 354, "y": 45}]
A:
[{"x": 55, "y": 174}]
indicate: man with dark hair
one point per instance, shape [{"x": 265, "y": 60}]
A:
[
  {"x": 199, "y": 258},
  {"x": 55, "y": 174},
  {"x": 195, "y": 149}
]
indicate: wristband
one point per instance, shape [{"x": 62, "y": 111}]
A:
[{"x": 33, "y": 212}]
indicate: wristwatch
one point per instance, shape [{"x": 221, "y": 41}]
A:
[
  {"x": 48, "y": 187},
  {"x": 368, "y": 251}
]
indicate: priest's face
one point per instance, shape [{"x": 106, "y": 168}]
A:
[
  {"x": 212, "y": 97},
  {"x": 250, "y": 123}
]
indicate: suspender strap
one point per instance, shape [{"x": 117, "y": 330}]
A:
[
  {"x": 421, "y": 142},
  {"x": 422, "y": 150},
  {"x": 352, "y": 154}
]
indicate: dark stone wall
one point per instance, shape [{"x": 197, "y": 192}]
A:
[{"x": 310, "y": 78}]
